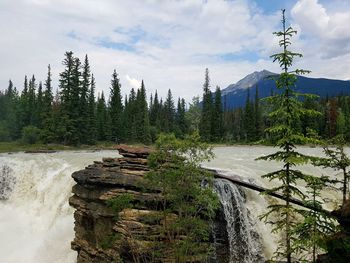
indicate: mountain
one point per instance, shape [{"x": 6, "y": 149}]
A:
[{"x": 235, "y": 95}]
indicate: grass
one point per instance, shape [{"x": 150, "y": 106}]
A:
[{"x": 19, "y": 146}]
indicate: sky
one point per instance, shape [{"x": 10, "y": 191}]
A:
[{"x": 169, "y": 43}]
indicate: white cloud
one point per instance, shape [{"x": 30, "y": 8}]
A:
[
  {"x": 133, "y": 83},
  {"x": 166, "y": 43},
  {"x": 329, "y": 30}
]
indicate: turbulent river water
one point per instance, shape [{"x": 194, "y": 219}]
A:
[{"x": 36, "y": 222}]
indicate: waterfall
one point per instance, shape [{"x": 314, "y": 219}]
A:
[
  {"x": 244, "y": 240},
  {"x": 36, "y": 222}
]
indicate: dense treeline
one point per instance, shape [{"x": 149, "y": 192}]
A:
[
  {"x": 247, "y": 124},
  {"x": 73, "y": 114}
]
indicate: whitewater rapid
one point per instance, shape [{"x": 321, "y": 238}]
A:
[{"x": 36, "y": 222}]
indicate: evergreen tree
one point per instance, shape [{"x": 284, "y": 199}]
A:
[
  {"x": 91, "y": 127},
  {"x": 47, "y": 114},
  {"x": 40, "y": 106},
  {"x": 84, "y": 102},
  {"x": 193, "y": 115},
  {"x": 130, "y": 117},
  {"x": 337, "y": 159},
  {"x": 205, "y": 123},
  {"x": 216, "y": 125},
  {"x": 181, "y": 124},
  {"x": 75, "y": 130},
  {"x": 66, "y": 85},
  {"x": 102, "y": 119},
  {"x": 169, "y": 113},
  {"x": 249, "y": 122},
  {"x": 289, "y": 107},
  {"x": 116, "y": 109},
  {"x": 142, "y": 120},
  {"x": 33, "y": 118},
  {"x": 258, "y": 129},
  {"x": 317, "y": 225}
]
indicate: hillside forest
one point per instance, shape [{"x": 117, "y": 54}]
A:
[{"x": 73, "y": 114}]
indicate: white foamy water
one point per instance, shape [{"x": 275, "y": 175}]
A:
[
  {"x": 240, "y": 161},
  {"x": 36, "y": 222}
]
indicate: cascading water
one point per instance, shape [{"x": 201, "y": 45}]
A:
[
  {"x": 36, "y": 222},
  {"x": 244, "y": 240}
]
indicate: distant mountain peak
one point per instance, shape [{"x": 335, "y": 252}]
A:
[{"x": 249, "y": 81}]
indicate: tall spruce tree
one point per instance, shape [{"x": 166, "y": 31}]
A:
[
  {"x": 116, "y": 109},
  {"x": 169, "y": 113},
  {"x": 66, "y": 85},
  {"x": 84, "y": 102},
  {"x": 282, "y": 216},
  {"x": 217, "y": 125},
  {"x": 181, "y": 124},
  {"x": 91, "y": 127},
  {"x": 47, "y": 121},
  {"x": 258, "y": 129},
  {"x": 249, "y": 122},
  {"x": 207, "y": 104},
  {"x": 142, "y": 120}
]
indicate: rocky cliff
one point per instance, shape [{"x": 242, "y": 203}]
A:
[{"x": 106, "y": 234}]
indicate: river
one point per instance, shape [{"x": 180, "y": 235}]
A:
[{"x": 36, "y": 222}]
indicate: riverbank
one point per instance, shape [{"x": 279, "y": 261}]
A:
[{"x": 20, "y": 147}]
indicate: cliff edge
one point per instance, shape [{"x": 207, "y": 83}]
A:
[{"x": 104, "y": 234}]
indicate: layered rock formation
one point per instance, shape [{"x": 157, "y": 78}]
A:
[{"x": 104, "y": 234}]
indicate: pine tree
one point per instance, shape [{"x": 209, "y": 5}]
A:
[
  {"x": 91, "y": 127},
  {"x": 317, "y": 225},
  {"x": 205, "y": 123},
  {"x": 40, "y": 106},
  {"x": 193, "y": 115},
  {"x": 130, "y": 117},
  {"x": 169, "y": 113},
  {"x": 103, "y": 120},
  {"x": 33, "y": 118},
  {"x": 47, "y": 119},
  {"x": 249, "y": 122},
  {"x": 181, "y": 124},
  {"x": 116, "y": 109},
  {"x": 337, "y": 159},
  {"x": 258, "y": 129},
  {"x": 84, "y": 102},
  {"x": 66, "y": 85},
  {"x": 142, "y": 120},
  {"x": 217, "y": 126},
  {"x": 289, "y": 107}
]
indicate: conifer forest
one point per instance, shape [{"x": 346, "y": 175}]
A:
[{"x": 73, "y": 114}]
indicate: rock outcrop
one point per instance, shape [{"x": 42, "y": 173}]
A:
[{"x": 104, "y": 235}]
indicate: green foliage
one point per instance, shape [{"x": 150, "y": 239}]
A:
[
  {"x": 116, "y": 109},
  {"x": 31, "y": 134},
  {"x": 189, "y": 202},
  {"x": 206, "y": 114},
  {"x": 4, "y": 132},
  {"x": 119, "y": 203},
  {"x": 288, "y": 110},
  {"x": 337, "y": 159},
  {"x": 317, "y": 225},
  {"x": 109, "y": 241}
]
